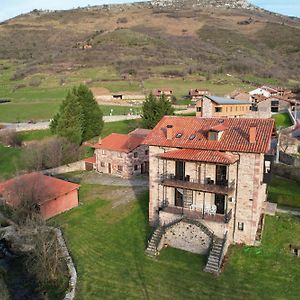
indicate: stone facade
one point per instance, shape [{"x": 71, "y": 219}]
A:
[
  {"x": 187, "y": 237},
  {"x": 246, "y": 202},
  {"x": 123, "y": 164}
]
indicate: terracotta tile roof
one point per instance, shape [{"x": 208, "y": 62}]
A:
[
  {"x": 140, "y": 132},
  {"x": 91, "y": 160},
  {"x": 234, "y": 138},
  {"x": 45, "y": 187},
  {"x": 201, "y": 155},
  {"x": 120, "y": 142},
  {"x": 218, "y": 127}
]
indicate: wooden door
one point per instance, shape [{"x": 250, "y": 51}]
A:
[
  {"x": 220, "y": 203},
  {"x": 178, "y": 198}
]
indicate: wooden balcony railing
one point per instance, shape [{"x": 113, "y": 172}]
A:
[
  {"x": 197, "y": 215},
  {"x": 223, "y": 188}
]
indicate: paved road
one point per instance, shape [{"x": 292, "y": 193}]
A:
[{"x": 45, "y": 125}]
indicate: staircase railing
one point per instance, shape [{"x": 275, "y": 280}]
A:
[{"x": 222, "y": 252}]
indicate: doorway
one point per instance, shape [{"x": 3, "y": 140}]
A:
[
  {"x": 180, "y": 170},
  {"x": 221, "y": 175},
  {"x": 179, "y": 197},
  {"x": 220, "y": 203}
]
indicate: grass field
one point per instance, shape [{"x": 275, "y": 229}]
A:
[
  {"x": 107, "y": 243},
  {"x": 10, "y": 161},
  {"x": 282, "y": 120},
  {"x": 285, "y": 192},
  {"x": 42, "y": 102}
]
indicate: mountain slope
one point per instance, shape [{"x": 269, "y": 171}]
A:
[{"x": 199, "y": 35}]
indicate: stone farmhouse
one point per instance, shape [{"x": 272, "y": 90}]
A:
[
  {"x": 264, "y": 91},
  {"x": 123, "y": 155},
  {"x": 164, "y": 91},
  {"x": 208, "y": 179},
  {"x": 198, "y": 94},
  {"x": 219, "y": 107},
  {"x": 52, "y": 196}
]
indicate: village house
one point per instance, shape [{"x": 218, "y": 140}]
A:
[
  {"x": 123, "y": 155},
  {"x": 219, "y": 107},
  {"x": 51, "y": 196},
  {"x": 265, "y": 91},
  {"x": 164, "y": 91},
  {"x": 198, "y": 94},
  {"x": 207, "y": 183}
]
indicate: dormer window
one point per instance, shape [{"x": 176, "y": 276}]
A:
[{"x": 212, "y": 136}]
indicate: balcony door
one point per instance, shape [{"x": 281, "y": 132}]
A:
[
  {"x": 220, "y": 203},
  {"x": 179, "y": 197},
  {"x": 221, "y": 175},
  {"x": 180, "y": 170}
]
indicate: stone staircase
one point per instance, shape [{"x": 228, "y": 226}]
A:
[
  {"x": 154, "y": 241},
  {"x": 215, "y": 256}
]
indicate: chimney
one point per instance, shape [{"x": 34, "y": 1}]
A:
[
  {"x": 169, "y": 132},
  {"x": 252, "y": 134},
  {"x": 99, "y": 140}
]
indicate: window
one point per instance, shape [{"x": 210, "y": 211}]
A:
[
  {"x": 230, "y": 108},
  {"x": 102, "y": 164},
  {"x": 146, "y": 152},
  {"x": 135, "y": 154},
  {"x": 213, "y": 136},
  {"x": 136, "y": 167},
  {"x": 178, "y": 135},
  {"x": 267, "y": 166},
  {"x": 192, "y": 136},
  {"x": 241, "y": 226},
  {"x": 218, "y": 109},
  {"x": 120, "y": 168},
  {"x": 250, "y": 199},
  {"x": 119, "y": 154},
  {"x": 199, "y": 109},
  {"x": 103, "y": 152}
]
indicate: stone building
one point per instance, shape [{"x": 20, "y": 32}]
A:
[
  {"x": 123, "y": 154},
  {"x": 213, "y": 106},
  {"x": 207, "y": 182},
  {"x": 198, "y": 94},
  {"x": 164, "y": 91}
]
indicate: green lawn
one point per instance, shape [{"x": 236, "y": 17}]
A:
[
  {"x": 10, "y": 161},
  {"x": 285, "y": 192},
  {"x": 107, "y": 243},
  {"x": 34, "y": 135},
  {"x": 282, "y": 120}
]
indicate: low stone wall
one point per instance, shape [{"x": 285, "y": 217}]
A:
[
  {"x": 288, "y": 159},
  {"x": 286, "y": 171},
  {"x": 70, "y": 294},
  {"x": 187, "y": 237},
  {"x": 72, "y": 167}
]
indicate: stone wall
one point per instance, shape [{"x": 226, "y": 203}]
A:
[
  {"x": 187, "y": 237},
  {"x": 286, "y": 171},
  {"x": 107, "y": 161},
  {"x": 72, "y": 167}
]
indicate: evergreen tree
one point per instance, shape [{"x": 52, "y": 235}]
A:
[
  {"x": 69, "y": 124},
  {"x": 86, "y": 116},
  {"x": 154, "y": 109},
  {"x": 92, "y": 115}
]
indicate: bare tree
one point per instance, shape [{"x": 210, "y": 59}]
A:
[{"x": 9, "y": 137}]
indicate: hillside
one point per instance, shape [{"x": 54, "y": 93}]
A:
[{"x": 196, "y": 36}]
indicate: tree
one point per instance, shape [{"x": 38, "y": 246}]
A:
[
  {"x": 92, "y": 115},
  {"x": 79, "y": 118},
  {"x": 154, "y": 109}
]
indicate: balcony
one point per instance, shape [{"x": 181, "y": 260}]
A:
[
  {"x": 222, "y": 188},
  {"x": 197, "y": 215}
]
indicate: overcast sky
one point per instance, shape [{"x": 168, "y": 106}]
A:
[{"x": 11, "y": 8}]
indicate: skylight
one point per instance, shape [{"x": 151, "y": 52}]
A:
[
  {"x": 178, "y": 135},
  {"x": 192, "y": 136}
]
